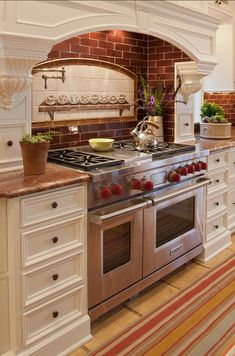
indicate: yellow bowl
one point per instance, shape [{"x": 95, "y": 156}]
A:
[{"x": 101, "y": 144}]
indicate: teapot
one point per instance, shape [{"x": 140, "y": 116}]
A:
[{"x": 144, "y": 140}]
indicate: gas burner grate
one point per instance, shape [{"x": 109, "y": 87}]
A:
[
  {"x": 128, "y": 146},
  {"x": 165, "y": 150},
  {"x": 81, "y": 160}
]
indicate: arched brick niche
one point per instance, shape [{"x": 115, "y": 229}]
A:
[{"x": 138, "y": 53}]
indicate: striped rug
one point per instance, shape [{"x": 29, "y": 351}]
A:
[{"x": 197, "y": 322}]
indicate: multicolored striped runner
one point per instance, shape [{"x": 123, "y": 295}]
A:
[{"x": 199, "y": 321}]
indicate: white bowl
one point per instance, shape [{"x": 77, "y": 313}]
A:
[{"x": 101, "y": 144}]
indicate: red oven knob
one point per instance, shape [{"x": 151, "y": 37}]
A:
[
  {"x": 135, "y": 184},
  {"x": 174, "y": 177},
  {"x": 183, "y": 171},
  {"x": 191, "y": 168},
  {"x": 148, "y": 185},
  {"x": 197, "y": 167},
  {"x": 116, "y": 189},
  {"x": 203, "y": 165},
  {"x": 105, "y": 193}
]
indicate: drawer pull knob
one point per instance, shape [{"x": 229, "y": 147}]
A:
[
  {"x": 217, "y": 181},
  {"x": 55, "y": 239},
  {"x": 9, "y": 143},
  {"x": 186, "y": 124},
  {"x": 216, "y": 226},
  {"x": 54, "y": 204},
  {"x": 217, "y": 160},
  {"x": 217, "y": 203},
  {"x": 55, "y": 277},
  {"x": 55, "y": 314},
  {"x": 233, "y": 203}
]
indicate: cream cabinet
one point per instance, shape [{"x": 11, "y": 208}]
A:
[
  {"x": 4, "y": 283},
  {"x": 231, "y": 191},
  {"x": 217, "y": 236},
  {"x": 47, "y": 275}
]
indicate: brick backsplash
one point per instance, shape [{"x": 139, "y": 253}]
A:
[
  {"x": 226, "y": 100},
  {"x": 137, "y": 52}
]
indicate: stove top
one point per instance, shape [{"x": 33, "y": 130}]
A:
[
  {"x": 123, "y": 152},
  {"x": 81, "y": 160}
]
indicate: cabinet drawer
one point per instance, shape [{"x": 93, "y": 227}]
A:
[
  {"x": 232, "y": 166},
  {"x": 52, "y": 205},
  {"x": 186, "y": 124},
  {"x": 231, "y": 203},
  {"x": 219, "y": 181},
  {"x": 10, "y": 135},
  {"x": 51, "y": 278},
  {"x": 216, "y": 226},
  {"x": 38, "y": 245},
  {"x": 216, "y": 203},
  {"x": 51, "y": 316},
  {"x": 217, "y": 161}
]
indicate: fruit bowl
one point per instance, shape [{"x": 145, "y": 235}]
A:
[{"x": 101, "y": 144}]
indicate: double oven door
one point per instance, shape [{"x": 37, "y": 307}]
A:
[
  {"x": 129, "y": 241},
  {"x": 114, "y": 249},
  {"x": 173, "y": 226}
]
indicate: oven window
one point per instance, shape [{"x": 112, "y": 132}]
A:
[
  {"x": 174, "y": 220},
  {"x": 116, "y": 247}
]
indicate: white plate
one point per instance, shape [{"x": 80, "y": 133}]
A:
[
  {"x": 73, "y": 99},
  {"x": 63, "y": 99}
]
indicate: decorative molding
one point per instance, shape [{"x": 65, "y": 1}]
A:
[{"x": 18, "y": 55}]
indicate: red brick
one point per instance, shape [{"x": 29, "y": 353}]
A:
[
  {"x": 129, "y": 41},
  {"x": 122, "y": 61},
  {"x": 174, "y": 55},
  {"x": 54, "y": 55},
  {"x": 106, "y": 44},
  {"x": 109, "y": 133},
  {"x": 113, "y": 53},
  {"x": 89, "y": 42},
  {"x": 98, "y": 36},
  {"x": 68, "y": 55},
  {"x": 164, "y": 63},
  {"x": 80, "y": 49},
  {"x": 98, "y": 51},
  {"x": 122, "y": 47},
  {"x": 107, "y": 59},
  {"x": 88, "y": 135},
  {"x": 164, "y": 49},
  {"x": 113, "y": 38}
]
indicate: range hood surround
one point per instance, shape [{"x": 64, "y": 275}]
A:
[{"x": 28, "y": 32}]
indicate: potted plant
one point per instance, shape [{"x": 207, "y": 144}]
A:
[
  {"x": 153, "y": 101},
  {"x": 34, "y": 150},
  {"x": 214, "y": 124}
]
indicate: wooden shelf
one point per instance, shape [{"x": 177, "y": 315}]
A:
[{"x": 50, "y": 109}]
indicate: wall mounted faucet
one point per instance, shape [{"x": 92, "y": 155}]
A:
[{"x": 46, "y": 77}]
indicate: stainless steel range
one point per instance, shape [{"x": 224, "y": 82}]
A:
[{"x": 146, "y": 215}]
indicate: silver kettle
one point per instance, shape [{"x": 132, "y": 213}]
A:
[{"x": 144, "y": 139}]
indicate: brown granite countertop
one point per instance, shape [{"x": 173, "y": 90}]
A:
[
  {"x": 213, "y": 145},
  {"x": 14, "y": 184}
]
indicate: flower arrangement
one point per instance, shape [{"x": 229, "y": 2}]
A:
[
  {"x": 153, "y": 101},
  {"x": 212, "y": 113}
]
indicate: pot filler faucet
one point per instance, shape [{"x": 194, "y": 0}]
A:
[{"x": 46, "y": 77}]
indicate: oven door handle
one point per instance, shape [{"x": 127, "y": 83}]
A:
[
  {"x": 99, "y": 219},
  {"x": 202, "y": 183}
]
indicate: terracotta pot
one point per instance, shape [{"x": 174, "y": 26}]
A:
[{"x": 34, "y": 157}]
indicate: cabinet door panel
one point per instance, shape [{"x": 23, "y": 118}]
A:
[{"x": 4, "y": 317}]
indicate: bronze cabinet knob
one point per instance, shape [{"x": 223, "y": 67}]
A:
[
  {"x": 54, "y": 205},
  {"x": 55, "y": 314},
  {"x": 9, "y": 143},
  {"x": 55, "y": 277},
  {"x": 55, "y": 239}
]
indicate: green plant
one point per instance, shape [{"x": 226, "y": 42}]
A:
[
  {"x": 38, "y": 138},
  {"x": 212, "y": 113}
]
